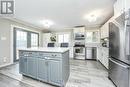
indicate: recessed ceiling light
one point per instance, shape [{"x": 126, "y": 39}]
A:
[{"x": 47, "y": 23}]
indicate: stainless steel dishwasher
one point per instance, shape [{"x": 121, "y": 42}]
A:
[{"x": 91, "y": 53}]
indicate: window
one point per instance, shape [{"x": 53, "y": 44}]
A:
[
  {"x": 66, "y": 38},
  {"x": 34, "y": 40},
  {"x": 60, "y": 38},
  {"x": 21, "y": 39},
  {"x": 24, "y": 39},
  {"x": 92, "y": 36},
  {"x": 63, "y": 38}
]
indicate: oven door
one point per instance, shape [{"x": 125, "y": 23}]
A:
[
  {"x": 79, "y": 52},
  {"x": 119, "y": 73}
]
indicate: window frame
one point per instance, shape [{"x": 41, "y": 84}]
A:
[
  {"x": 63, "y": 37},
  {"x": 98, "y": 41},
  {"x": 37, "y": 40},
  {"x": 15, "y": 29}
]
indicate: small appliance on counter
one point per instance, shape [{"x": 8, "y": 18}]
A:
[{"x": 105, "y": 42}]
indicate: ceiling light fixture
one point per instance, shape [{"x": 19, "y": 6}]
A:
[
  {"x": 47, "y": 23},
  {"x": 92, "y": 17}
]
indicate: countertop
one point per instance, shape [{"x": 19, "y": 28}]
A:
[
  {"x": 47, "y": 49},
  {"x": 92, "y": 45}
]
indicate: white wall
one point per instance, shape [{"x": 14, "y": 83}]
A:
[
  {"x": 120, "y": 7},
  {"x": 6, "y": 45}
]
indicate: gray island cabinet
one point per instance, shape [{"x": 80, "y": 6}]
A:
[{"x": 50, "y": 65}]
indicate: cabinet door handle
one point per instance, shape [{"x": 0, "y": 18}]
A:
[
  {"x": 127, "y": 40},
  {"x": 48, "y": 58},
  {"x": 45, "y": 58}
]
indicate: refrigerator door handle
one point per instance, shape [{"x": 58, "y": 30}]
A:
[
  {"x": 125, "y": 66},
  {"x": 127, "y": 39}
]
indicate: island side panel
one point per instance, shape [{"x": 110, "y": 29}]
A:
[
  {"x": 65, "y": 67},
  {"x": 22, "y": 63}
]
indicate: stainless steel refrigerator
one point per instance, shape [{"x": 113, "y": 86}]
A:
[{"x": 119, "y": 50}]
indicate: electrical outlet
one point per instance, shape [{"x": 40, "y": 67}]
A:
[{"x": 5, "y": 59}]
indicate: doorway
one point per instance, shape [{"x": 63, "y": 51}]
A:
[{"x": 24, "y": 39}]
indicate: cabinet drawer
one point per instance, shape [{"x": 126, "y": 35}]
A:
[
  {"x": 52, "y": 55},
  {"x": 28, "y": 54}
]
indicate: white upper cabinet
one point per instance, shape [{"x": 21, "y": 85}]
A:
[
  {"x": 79, "y": 30},
  {"x": 105, "y": 30},
  {"x": 119, "y": 7},
  {"x": 127, "y": 4}
]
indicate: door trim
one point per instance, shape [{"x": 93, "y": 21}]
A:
[{"x": 12, "y": 39}]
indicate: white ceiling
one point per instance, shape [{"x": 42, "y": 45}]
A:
[{"x": 64, "y": 13}]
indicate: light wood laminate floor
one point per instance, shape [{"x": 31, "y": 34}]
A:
[{"x": 83, "y": 73}]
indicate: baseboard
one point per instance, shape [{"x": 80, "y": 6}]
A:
[
  {"x": 91, "y": 59},
  {"x": 112, "y": 81},
  {"x": 4, "y": 65},
  {"x": 102, "y": 64},
  {"x": 85, "y": 59}
]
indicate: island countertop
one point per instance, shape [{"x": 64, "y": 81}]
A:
[{"x": 47, "y": 49}]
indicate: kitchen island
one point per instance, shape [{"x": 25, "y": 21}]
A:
[{"x": 50, "y": 65}]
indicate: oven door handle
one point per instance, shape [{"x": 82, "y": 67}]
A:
[{"x": 125, "y": 66}]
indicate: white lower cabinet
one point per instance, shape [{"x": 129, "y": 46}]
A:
[{"x": 103, "y": 56}]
